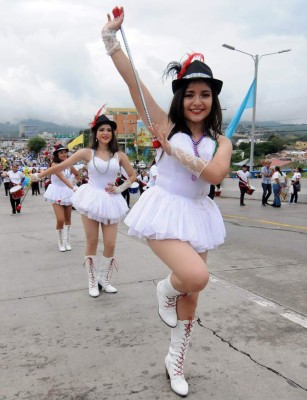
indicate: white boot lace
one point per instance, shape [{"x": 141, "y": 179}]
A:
[
  {"x": 109, "y": 271},
  {"x": 89, "y": 264},
  {"x": 178, "y": 370}
]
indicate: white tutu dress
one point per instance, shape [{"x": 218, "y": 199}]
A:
[
  {"x": 92, "y": 200},
  {"x": 178, "y": 207},
  {"x": 58, "y": 192}
]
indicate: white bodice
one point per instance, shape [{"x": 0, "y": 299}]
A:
[
  {"x": 57, "y": 181},
  {"x": 175, "y": 178},
  {"x": 102, "y": 172}
]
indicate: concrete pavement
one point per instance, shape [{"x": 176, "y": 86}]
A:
[{"x": 58, "y": 343}]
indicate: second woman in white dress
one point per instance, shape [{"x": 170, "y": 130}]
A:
[
  {"x": 59, "y": 193},
  {"x": 99, "y": 201}
]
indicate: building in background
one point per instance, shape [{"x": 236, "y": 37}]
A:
[
  {"x": 126, "y": 120},
  {"x": 28, "y": 131}
]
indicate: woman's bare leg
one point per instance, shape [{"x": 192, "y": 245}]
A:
[
  {"x": 91, "y": 229},
  {"x": 186, "y": 305},
  {"x": 189, "y": 272},
  {"x": 67, "y": 215},
  {"x": 109, "y": 233},
  {"x": 59, "y": 214}
]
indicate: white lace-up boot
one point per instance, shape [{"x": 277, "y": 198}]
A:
[
  {"x": 61, "y": 239},
  {"x": 67, "y": 237},
  {"x": 89, "y": 264},
  {"x": 174, "y": 360},
  {"x": 167, "y": 300},
  {"x": 105, "y": 273}
]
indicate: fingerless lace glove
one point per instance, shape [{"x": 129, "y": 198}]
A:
[
  {"x": 122, "y": 187},
  {"x": 194, "y": 164},
  {"x": 110, "y": 41}
]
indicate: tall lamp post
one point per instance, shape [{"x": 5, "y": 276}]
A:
[{"x": 256, "y": 58}]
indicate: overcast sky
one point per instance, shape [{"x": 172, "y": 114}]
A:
[{"x": 54, "y": 66}]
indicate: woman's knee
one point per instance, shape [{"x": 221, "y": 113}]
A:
[
  {"x": 92, "y": 242},
  {"x": 197, "y": 280},
  {"x": 109, "y": 246}
]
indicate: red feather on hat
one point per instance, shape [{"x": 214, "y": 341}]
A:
[
  {"x": 188, "y": 61},
  {"x": 93, "y": 123}
]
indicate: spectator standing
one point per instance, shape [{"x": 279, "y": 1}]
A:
[
  {"x": 266, "y": 174},
  {"x": 142, "y": 180},
  {"x": 243, "y": 176},
  {"x": 277, "y": 182},
  {"x": 296, "y": 185},
  {"x": 35, "y": 183},
  {"x": 6, "y": 181},
  {"x": 153, "y": 173}
]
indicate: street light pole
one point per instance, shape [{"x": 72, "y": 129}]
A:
[
  {"x": 256, "y": 60},
  {"x": 251, "y": 157}
]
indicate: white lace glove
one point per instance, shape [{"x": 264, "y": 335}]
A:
[
  {"x": 110, "y": 41},
  {"x": 118, "y": 189},
  {"x": 194, "y": 164},
  {"x": 122, "y": 187}
]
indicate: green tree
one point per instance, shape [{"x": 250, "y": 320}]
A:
[
  {"x": 36, "y": 144},
  {"x": 236, "y": 157}
]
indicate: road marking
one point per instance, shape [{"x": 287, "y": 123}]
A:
[
  {"x": 267, "y": 222},
  {"x": 295, "y": 318},
  {"x": 262, "y": 302}
]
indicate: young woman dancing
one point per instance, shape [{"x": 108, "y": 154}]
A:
[
  {"x": 100, "y": 201},
  {"x": 180, "y": 222},
  {"x": 59, "y": 193}
]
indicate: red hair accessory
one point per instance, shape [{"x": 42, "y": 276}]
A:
[
  {"x": 93, "y": 123},
  {"x": 188, "y": 61}
]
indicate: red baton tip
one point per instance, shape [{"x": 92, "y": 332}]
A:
[
  {"x": 116, "y": 12},
  {"x": 156, "y": 144}
]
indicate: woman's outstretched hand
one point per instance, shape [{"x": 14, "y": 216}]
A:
[
  {"x": 161, "y": 135},
  {"x": 115, "y": 23}
]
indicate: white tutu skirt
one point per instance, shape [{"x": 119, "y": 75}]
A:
[
  {"x": 160, "y": 215},
  {"x": 61, "y": 195},
  {"x": 99, "y": 205}
]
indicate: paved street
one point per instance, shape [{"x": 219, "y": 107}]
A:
[{"x": 57, "y": 343}]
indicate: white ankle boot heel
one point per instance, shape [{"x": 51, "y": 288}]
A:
[{"x": 105, "y": 273}]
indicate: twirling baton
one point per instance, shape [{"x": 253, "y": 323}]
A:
[
  {"x": 116, "y": 13},
  {"x": 18, "y": 207}
]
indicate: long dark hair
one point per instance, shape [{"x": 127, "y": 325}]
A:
[
  {"x": 113, "y": 144},
  {"x": 212, "y": 124}
]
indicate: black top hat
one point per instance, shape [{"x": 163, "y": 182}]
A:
[
  {"x": 194, "y": 70},
  {"x": 59, "y": 147},
  {"x": 100, "y": 120}
]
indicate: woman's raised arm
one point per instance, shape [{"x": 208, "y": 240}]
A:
[
  {"x": 83, "y": 154},
  {"x": 122, "y": 64}
]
